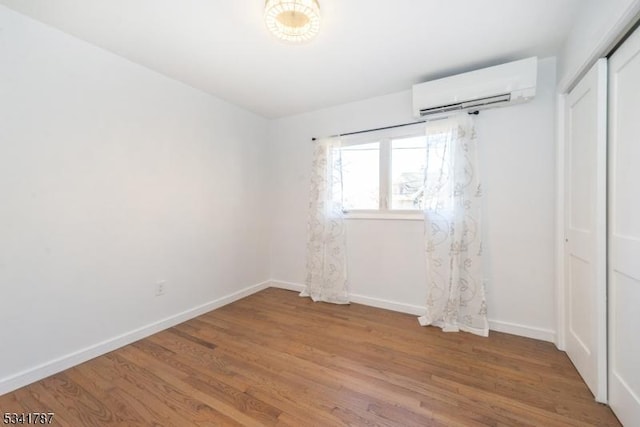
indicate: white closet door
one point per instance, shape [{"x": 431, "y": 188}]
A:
[
  {"x": 624, "y": 231},
  {"x": 585, "y": 228}
]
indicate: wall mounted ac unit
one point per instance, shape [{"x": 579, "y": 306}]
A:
[{"x": 506, "y": 84}]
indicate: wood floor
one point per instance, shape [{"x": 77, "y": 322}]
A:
[{"x": 277, "y": 359}]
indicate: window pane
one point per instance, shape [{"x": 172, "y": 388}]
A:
[
  {"x": 408, "y": 157},
  {"x": 361, "y": 176}
]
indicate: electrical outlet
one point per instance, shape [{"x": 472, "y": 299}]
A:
[{"x": 161, "y": 287}]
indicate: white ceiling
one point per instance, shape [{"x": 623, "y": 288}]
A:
[{"x": 365, "y": 48}]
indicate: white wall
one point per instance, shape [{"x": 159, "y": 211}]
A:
[
  {"x": 113, "y": 177},
  {"x": 517, "y": 150},
  {"x": 596, "y": 26}
]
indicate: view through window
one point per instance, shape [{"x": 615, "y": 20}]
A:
[{"x": 384, "y": 173}]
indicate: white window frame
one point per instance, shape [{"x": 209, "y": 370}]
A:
[{"x": 384, "y": 137}]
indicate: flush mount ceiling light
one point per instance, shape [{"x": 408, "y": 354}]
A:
[{"x": 293, "y": 21}]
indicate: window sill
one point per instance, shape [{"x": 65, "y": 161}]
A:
[{"x": 385, "y": 215}]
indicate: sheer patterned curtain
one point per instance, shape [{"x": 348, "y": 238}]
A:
[
  {"x": 452, "y": 206},
  {"x": 326, "y": 245}
]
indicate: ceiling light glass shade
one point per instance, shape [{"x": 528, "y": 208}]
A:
[{"x": 293, "y": 20}]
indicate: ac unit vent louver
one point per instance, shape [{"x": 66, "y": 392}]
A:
[
  {"x": 498, "y": 86},
  {"x": 468, "y": 106}
]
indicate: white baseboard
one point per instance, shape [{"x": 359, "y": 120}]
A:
[
  {"x": 358, "y": 299},
  {"x": 523, "y": 331},
  {"x": 494, "y": 325},
  {"x": 289, "y": 286},
  {"x": 388, "y": 305},
  {"x": 44, "y": 370}
]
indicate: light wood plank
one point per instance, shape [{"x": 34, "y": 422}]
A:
[{"x": 277, "y": 359}]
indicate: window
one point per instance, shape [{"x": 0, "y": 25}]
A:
[{"x": 383, "y": 173}]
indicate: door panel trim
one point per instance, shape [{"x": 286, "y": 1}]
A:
[
  {"x": 587, "y": 245},
  {"x": 624, "y": 249}
]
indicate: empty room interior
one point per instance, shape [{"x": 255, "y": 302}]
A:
[{"x": 320, "y": 212}]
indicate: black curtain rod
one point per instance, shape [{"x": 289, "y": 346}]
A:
[
  {"x": 384, "y": 128},
  {"x": 373, "y": 130}
]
